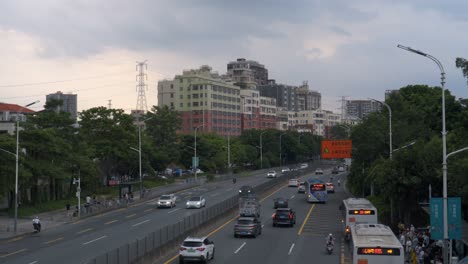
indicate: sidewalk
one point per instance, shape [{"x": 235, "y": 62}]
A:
[{"x": 59, "y": 217}]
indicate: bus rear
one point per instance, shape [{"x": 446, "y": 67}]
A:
[{"x": 316, "y": 191}]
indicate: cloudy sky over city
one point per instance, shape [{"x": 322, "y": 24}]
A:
[{"x": 341, "y": 47}]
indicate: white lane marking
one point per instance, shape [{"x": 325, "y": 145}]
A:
[
  {"x": 235, "y": 252},
  {"x": 94, "y": 240},
  {"x": 214, "y": 194},
  {"x": 141, "y": 223},
  {"x": 170, "y": 212},
  {"x": 291, "y": 249},
  {"x": 34, "y": 262},
  {"x": 229, "y": 189},
  {"x": 292, "y": 197}
]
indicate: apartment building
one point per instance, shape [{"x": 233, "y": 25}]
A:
[
  {"x": 205, "y": 101},
  {"x": 285, "y": 95},
  {"x": 317, "y": 121},
  {"x": 69, "y": 103},
  {"x": 308, "y": 99},
  {"x": 361, "y": 108},
  {"x": 247, "y": 73}
]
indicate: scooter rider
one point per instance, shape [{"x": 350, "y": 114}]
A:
[
  {"x": 234, "y": 180},
  {"x": 330, "y": 239},
  {"x": 37, "y": 224}
]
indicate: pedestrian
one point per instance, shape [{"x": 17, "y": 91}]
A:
[
  {"x": 88, "y": 200},
  {"x": 421, "y": 255},
  {"x": 402, "y": 239}
]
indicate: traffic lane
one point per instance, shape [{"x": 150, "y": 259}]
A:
[
  {"x": 276, "y": 244},
  {"x": 90, "y": 225},
  {"x": 116, "y": 237},
  {"x": 231, "y": 250}
]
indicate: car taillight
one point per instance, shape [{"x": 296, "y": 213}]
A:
[
  {"x": 274, "y": 215},
  {"x": 200, "y": 248},
  {"x": 182, "y": 248},
  {"x": 290, "y": 216},
  {"x": 347, "y": 229}
]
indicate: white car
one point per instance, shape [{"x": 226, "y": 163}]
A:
[
  {"x": 318, "y": 171},
  {"x": 301, "y": 187},
  {"x": 271, "y": 174},
  {"x": 304, "y": 166},
  {"x": 341, "y": 169},
  {"x": 293, "y": 183},
  {"x": 196, "y": 202},
  {"x": 196, "y": 249},
  {"x": 285, "y": 170},
  {"x": 167, "y": 200}
]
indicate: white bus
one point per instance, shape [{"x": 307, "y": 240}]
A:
[
  {"x": 357, "y": 211},
  {"x": 375, "y": 244}
]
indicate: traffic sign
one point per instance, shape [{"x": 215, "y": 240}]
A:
[
  {"x": 437, "y": 218},
  {"x": 335, "y": 149}
]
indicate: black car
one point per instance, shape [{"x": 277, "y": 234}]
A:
[
  {"x": 284, "y": 216},
  {"x": 335, "y": 170},
  {"x": 280, "y": 203},
  {"x": 246, "y": 191},
  {"x": 247, "y": 226}
]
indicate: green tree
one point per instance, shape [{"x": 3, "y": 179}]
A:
[{"x": 462, "y": 64}]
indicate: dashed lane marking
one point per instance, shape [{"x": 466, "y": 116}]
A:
[
  {"x": 141, "y": 223},
  {"x": 147, "y": 210},
  {"x": 291, "y": 249},
  {"x": 130, "y": 216},
  {"x": 55, "y": 240},
  {"x": 84, "y": 231},
  {"x": 15, "y": 239},
  {"x": 239, "y": 249},
  {"x": 94, "y": 240},
  {"x": 110, "y": 222},
  {"x": 170, "y": 212},
  {"x": 13, "y": 253}
]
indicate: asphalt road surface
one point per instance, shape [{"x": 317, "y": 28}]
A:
[
  {"x": 91, "y": 237},
  {"x": 303, "y": 243}
]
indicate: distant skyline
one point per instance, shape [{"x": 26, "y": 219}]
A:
[{"x": 342, "y": 48}]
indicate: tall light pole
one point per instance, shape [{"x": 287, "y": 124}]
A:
[
  {"x": 17, "y": 162},
  {"x": 139, "y": 153},
  {"x": 444, "y": 144},
  {"x": 389, "y": 123},
  {"x": 195, "y": 162},
  {"x": 280, "y": 148},
  {"x": 261, "y": 150}
]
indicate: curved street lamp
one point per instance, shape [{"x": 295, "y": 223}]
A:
[{"x": 444, "y": 144}]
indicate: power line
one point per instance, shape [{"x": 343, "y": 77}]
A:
[{"x": 61, "y": 81}]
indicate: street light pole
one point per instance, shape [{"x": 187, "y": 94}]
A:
[
  {"x": 389, "y": 123},
  {"x": 139, "y": 153},
  {"x": 280, "y": 149},
  {"x": 261, "y": 150},
  {"x": 444, "y": 145},
  {"x": 195, "y": 163},
  {"x": 17, "y": 167}
]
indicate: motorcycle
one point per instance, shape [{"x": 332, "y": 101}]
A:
[
  {"x": 37, "y": 227},
  {"x": 329, "y": 248},
  {"x": 234, "y": 180}
]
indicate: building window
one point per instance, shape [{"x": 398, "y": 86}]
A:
[
  {"x": 172, "y": 95},
  {"x": 172, "y": 86},
  {"x": 195, "y": 104}
]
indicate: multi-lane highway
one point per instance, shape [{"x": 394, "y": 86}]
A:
[
  {"x": 91, "y": 237},
  {"x": 305, "y": 242}
]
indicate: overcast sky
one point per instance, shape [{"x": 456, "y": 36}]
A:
[{"x": 341, "y": 47}]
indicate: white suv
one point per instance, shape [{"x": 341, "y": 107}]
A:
[
  {"x": 271, "y": 174},
  {"x": 167, "y": 200},
  {"x": 196, "y": 248}
]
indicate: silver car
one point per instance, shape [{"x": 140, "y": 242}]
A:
[{"x": 196, "y": 202}]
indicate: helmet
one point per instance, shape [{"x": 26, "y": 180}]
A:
[{"x": 330, "y": 235}]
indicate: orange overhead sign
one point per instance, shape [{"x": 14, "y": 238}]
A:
[{"x": 336, "y": 149}]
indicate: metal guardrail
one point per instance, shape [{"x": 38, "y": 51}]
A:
[{"x": 155, "y": 243}]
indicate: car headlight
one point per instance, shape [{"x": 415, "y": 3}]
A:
[{"x": 240, "y": 191}]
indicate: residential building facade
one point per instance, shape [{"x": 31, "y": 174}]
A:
[
  {"x": 247, "y": 73},
  {"x": 205, "y": 101},
  {"x": 69, "y": 103},
  {"x": 361, "y": 108},
  {"x": 9, "y": 114}
]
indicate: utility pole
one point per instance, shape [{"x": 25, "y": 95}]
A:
[
  {"x": 78, "y": 192},
  {"x": 141, "y": 86}
]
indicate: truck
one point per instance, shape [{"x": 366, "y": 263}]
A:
[{"x": 249, "y": 206}]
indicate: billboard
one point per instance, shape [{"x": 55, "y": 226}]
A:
[{"x": 336, "y": 149}]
